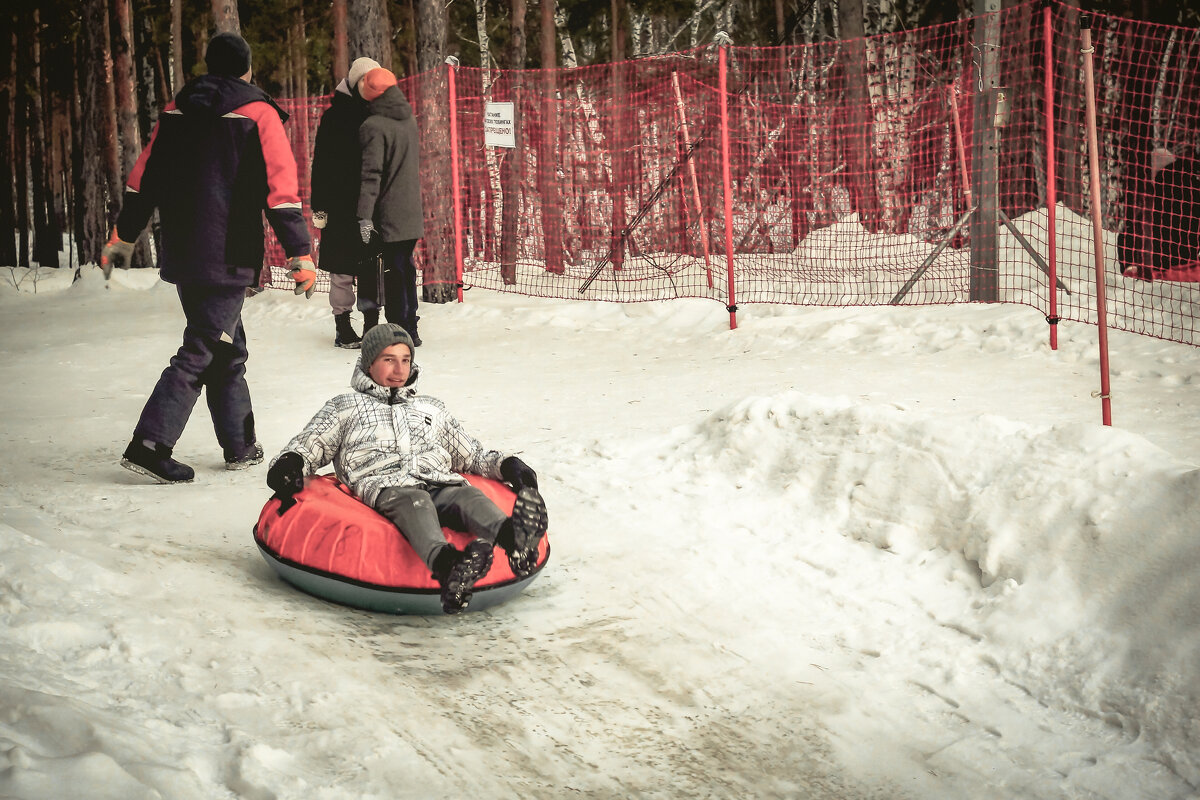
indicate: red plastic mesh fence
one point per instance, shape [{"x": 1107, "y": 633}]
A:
[{"x": 855, "y": 173}]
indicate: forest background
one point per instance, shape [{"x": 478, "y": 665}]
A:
[{"x": 81, "y": 83}]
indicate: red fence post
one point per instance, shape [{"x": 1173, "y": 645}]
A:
[
  {"x": 455, "y": 188},
  {"x": 722, "y": 41},
  {"x": 1051, "y": 188},
  {"x": 1085, "y": 24}
]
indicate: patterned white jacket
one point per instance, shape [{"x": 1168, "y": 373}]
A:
[{"x": 377, "y": 437}]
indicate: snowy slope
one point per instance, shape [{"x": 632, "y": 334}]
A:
[{"x": 836, "y": 553}]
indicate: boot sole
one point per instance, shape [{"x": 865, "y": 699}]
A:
[
  {"x": 242, "y": 464},
  {"x": 529, "y": 526},
  {"x": 139, "y": 469},
  {"x": 475, "y": 563}
]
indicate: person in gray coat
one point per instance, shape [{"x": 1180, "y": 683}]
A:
[{"x": 390, "y": 212}]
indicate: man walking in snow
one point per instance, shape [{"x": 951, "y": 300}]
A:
[
  {"x": 218, "y": 158},
  {"x": 401, "y": 453}
]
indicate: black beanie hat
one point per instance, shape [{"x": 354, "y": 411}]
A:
[{"x": 227, "y": 54}]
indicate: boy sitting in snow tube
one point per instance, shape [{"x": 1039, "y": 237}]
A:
[{"x": 399, "y": 452}]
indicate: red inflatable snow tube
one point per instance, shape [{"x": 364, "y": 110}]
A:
[{"x": 331, "y": 545}]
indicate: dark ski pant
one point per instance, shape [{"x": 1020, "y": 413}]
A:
[
  {"x": 420, "y": 513},
  {"x": 399, "y": 297},
  {"x": 213, "y": 358}
]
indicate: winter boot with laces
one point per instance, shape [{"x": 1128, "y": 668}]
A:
[
  {"x": 154, "y": 461},
  {"x": 456, "y": 571},
  {"x": 345, "y": 336},
  {"x": 524, "y": 532}
]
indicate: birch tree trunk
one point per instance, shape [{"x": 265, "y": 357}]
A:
[
  {"x": 488, "y": 219},
  {"x": 856, "y": 138},
  {"x": 509, "y": 242}
]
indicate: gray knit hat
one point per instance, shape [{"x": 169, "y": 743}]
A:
[{"x": 379, "y": 339}]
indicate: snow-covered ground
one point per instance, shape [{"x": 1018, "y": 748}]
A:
[{"x": 835, "y": 553}]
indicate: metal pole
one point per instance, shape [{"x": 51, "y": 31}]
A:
[
  {"x": 456, "y": 190},
  {"x": 722, "y": 41},
  {"x": 1085, "y": 23},
  {"x": 1051, "y": 188}
]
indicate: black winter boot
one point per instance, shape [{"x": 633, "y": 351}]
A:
[
  {"x": 154, "y": 461},
  {"x": 522, "y": 537},
  {"x": 456, "y": 571},
  {"x": 345, "y": 337},
  {"x": 251, "y": 455},
  {"x": 370, "y": 320}
]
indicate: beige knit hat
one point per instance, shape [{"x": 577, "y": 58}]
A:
[{"x": 360, "y": 67}]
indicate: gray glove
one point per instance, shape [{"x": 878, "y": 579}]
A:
[{"x": 365, "y": 229}]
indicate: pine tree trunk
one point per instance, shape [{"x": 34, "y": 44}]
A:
[
  {"x": 8, "y": 124},
  {"x": 368, "y": 30},
  {"x": 46, "y": 239},
  {"x": 509, "y": 240},
  {"x": 548, "y": 135},
  {"x": 438, "y": 270},
  {"x": 21, "y": 141},
  {"x": 176, "y": 47},
  {"x": 90, "y": 151},
  {"x": 618, "y": 129},
  {"x": 127, "y": 114},
  {"x": 341, "y": 55},
  {"x": 225, "y": 16}
]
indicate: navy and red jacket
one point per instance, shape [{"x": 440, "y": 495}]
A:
[{"x": 218, "y": 158}]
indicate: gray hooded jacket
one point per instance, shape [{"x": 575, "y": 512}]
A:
[{"x": 390, "y": 191}]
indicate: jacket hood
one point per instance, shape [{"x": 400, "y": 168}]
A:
[
  {"x": 392, "y": 103},
  {"x": 360, "y": 381},
  {"x": 217, "y": 95}
]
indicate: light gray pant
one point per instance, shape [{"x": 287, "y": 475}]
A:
[
  {"x": 341, "y": 295},
  {"x": 421, "y": 513}
]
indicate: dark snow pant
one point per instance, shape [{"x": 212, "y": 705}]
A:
[
  {"x": 399, "y": 297},
  {"x": 421, "y": 513},
  {"x": 212, "y": 357}
]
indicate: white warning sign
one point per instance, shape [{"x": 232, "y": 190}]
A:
[{"x": 499, "y": 128}]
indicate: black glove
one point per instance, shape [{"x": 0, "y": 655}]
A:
[
  {"x": 286, "y": 477},
  {"x": 518, "y": 473}
]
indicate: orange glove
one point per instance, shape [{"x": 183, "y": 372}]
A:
[
  {"x": 302, "y": 270},
  {"x": 116, "y": 253}
]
